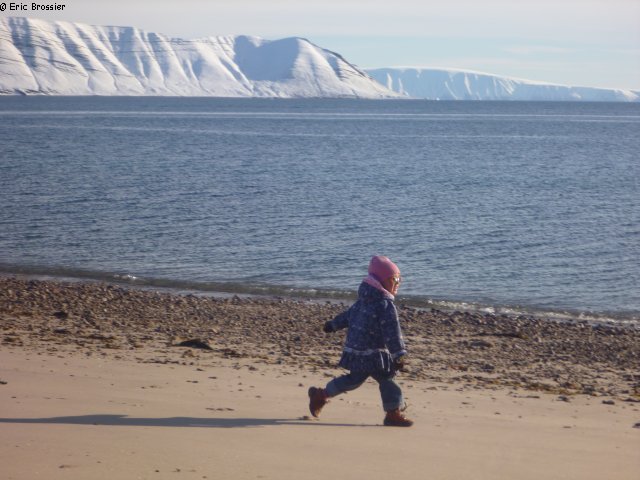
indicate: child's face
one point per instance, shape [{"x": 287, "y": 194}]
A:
[{"x": 392, "y": 284}]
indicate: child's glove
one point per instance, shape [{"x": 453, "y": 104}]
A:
[
  {"x": 400, "y": 364},
  {"x": 327, "y": 327}
]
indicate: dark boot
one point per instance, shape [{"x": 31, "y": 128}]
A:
[
  {"x": 395, "y": 418},
  {"x": 317, "y": 399}
]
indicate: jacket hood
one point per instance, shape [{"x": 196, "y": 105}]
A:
[{"x": 371, "y": 290}]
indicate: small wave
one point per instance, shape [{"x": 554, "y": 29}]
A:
[{"x": 126, "y": 277}]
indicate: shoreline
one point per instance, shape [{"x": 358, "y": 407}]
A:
[
  {"x": 226, "y": 290},
  {"x": 466, "y": 350}
]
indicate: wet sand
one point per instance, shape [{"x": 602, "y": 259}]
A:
[{"x": 96, "y": 382}]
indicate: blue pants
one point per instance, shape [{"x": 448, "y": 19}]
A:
[{"x": 389, "y": 390}]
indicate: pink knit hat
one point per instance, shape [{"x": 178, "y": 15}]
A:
[{"x": 382, "y": 268}]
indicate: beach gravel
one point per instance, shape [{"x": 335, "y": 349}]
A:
[{"x": 468, "y": 350}]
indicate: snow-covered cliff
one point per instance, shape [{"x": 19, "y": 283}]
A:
[
  {"x": 440, "y": 84},
  {"x": 61, "y": 58}
]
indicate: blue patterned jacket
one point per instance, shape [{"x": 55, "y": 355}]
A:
[{"x": 374, "y": 338}]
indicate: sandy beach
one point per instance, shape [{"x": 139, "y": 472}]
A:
[{"x": 102, "y": 381}]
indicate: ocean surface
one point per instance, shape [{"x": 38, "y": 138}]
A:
[{"x": 509, "y": 207}]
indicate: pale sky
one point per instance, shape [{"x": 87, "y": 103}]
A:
[{"x": 592, "y": 43}]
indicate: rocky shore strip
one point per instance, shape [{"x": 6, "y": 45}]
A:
[{"x": 464, "y": 350}]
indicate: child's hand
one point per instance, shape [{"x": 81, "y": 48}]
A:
[
  {"x": 327, "y": 327},
  {"x": 400, "y": 364}
]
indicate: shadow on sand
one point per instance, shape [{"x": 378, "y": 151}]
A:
[{"x": 189, "y": 422}]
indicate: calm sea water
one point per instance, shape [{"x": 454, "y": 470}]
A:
[{"x": 503, "y": 206}]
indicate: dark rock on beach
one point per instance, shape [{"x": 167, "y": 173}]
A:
[{"x": 195, "y": 343}]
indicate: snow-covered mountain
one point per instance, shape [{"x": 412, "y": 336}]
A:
[
  {"x": 62, "y": 58},
  {"x": 440, "y": 84}
]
